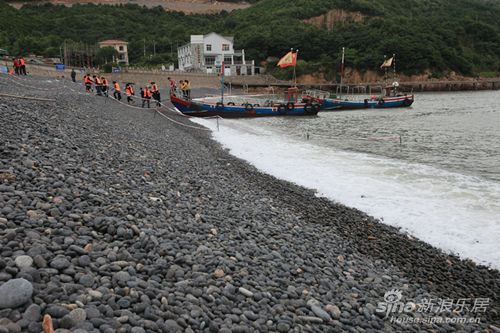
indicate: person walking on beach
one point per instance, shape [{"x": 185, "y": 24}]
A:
[
  {"x": 130, "y": 92},
  {"x": 117, "y": 94},
  {"x": 88, "y": 83},
  {"x": 98, "y": 85},
  {"x": 22, "y": 66},
  {"x": 16, "y": 66},
  {"x": 105, "y": 86},
  {"x": 146, "y": 96},
  {"x": 73, "y": 75},
  {"x": 156, "y": 93}
]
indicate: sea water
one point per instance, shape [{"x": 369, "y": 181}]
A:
[{"x": 432, "y": 169}]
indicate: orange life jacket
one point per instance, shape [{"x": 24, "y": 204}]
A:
[
  {"x": 117, "y": 87},
  {"x": 97, "y": 81},
  {"x": 154, "y": 88},
  {"x": 128, "y": 91},
  {"x": 87, "y": 79},
  {"x": 172, "y": 83},
  {"x": 147, "y": 93},
  {"x": 21, "y": 62},
  {"x": 105, "y": 82}
]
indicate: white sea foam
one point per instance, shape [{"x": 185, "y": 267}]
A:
[{"x": 454, "y": 212}]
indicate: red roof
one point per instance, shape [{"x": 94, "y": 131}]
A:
[{"x": 113, "y": 41}]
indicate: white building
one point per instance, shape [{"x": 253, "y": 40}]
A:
[
  {"x": 119, "y": 46},
  {"x": 206, "y": 53}
]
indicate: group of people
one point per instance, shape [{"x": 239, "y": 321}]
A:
[
  {"x": 102, "y": 88},
  {"x": 185, "y": 88},
  {"x": 19, "y": 66}
]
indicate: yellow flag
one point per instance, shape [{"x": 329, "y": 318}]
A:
[{"x": 387, "y": 63}]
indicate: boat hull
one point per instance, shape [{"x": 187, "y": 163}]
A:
[
  {"x": 386, "y": 102},
  {"x": 199, "y": 109}
]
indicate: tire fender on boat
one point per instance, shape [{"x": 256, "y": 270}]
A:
[
  {"x": 248, "y": 107},
  {"x": 406, "y": 102},
  {"x": 230, "y": 103},
  {"x": 290, "y": 106},
  {"x": 219, "y": 106},
  {"x": 381, "y": 101},
  {"x": 282, "y": 109}
]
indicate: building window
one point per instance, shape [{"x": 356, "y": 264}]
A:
[
  {"x": 122, "y": 56},
  {"x": 209, "y": 60},
  {"x": 228, "y": 60},
  {"x": 121, "y": 48},
  {"x": 225, "y": 47},
  {"x": 209, "y": 47}
]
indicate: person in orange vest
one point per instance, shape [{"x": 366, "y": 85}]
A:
[
  {"x": 98, "y": 85},
  {"x": 117, "y": 94},
  {"x": 105, "y": 86},
  {"x": 156, "y": 93},
  {"x": 22, "y": 66},
  {"x": 129, "y": 91},
  {"x": 146, "y": 96},
  {"x": 16, "y": 65},
  {"x": 88, "y": 83}
]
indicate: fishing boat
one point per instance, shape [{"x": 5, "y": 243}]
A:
[
  {"x": 390, "y": 98},
  {"x": 288, "y": 107}
]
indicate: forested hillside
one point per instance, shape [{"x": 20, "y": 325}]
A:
[{"x": 436, "y": 35}]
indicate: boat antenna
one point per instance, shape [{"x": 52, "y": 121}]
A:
[
  {"x": 394, "y": 64},
  {"x": 341, "y": 72}
]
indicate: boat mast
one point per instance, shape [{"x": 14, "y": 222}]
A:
[
  {"x": 342, "y": 72},
  {"x": 294, "y": 65},
  {"x": 222, "y": 88}
]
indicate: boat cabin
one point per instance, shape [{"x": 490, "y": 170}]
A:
[
  {"x": 390, "y": 90},
  {"x": 292, "y": 95}
]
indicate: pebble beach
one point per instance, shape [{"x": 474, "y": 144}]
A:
[{"x": 121, "y": 219}]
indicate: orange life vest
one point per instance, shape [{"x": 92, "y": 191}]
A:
[
  {"x": 21, "y": 62},
  {"x": 128, "y": 91},
  {"x": 147, "y": 93},
  {"x": 172, "y": 83},
  {"x": 154, "y": 87},
  {"x": 97, "y": 81},
  {"x": 105, "y": 82},
  {"x": 117, "y": 87},
  {"x": 87, "y": 79}
]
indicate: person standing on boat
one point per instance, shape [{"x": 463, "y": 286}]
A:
[
  {"x": 172, "y": 85},
  {"x": 188, "y": 89},
  {"x": 183, "y": 88}
]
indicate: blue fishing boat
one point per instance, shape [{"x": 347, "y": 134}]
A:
[
  {"x": 288, "y": 107},
  {"x": 390, "y": 98}
]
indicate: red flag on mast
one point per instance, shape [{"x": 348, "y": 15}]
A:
[{"x": 290, "y": 59}]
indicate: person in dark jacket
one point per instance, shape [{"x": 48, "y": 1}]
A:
[{"x": 73, "y": 75}]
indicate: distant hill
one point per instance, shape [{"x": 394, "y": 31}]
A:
[{"x": 428, "y": 36}]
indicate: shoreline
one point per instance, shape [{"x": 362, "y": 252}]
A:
[{"x": 212, "y": 211}]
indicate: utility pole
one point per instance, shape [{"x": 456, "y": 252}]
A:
[
  {"x": 144, "y": 47},
  {"x": 154, "y": 47}
]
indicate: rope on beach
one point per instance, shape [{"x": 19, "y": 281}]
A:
[{"x": 32, "y": 98}]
